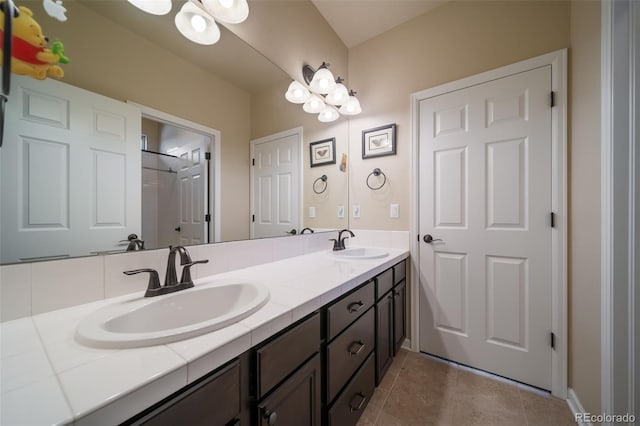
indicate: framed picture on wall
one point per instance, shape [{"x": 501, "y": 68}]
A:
[
  {"x": 379, "y": 141},
  {"x": 322, "y": 152}
]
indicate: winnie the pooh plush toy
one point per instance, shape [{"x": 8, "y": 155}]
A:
[{"x": 30, "y": 55}]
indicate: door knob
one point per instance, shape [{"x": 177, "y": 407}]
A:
[
  {"x": 178, "y": 229},
  {"x": 429, "y": 239}
]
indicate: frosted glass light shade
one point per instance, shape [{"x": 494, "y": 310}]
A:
[
  {"x": 328, "y": 114},
  {"x": 314, "y": 104},
  {"x": 229, "y": 11},
  {"x": 155, "y": 7},
  {"x": 196, "y": 25},
  {"x": 322, "y": 82},
  {"x": 338, "y": 96},
  {"x": 351, "y": 107},
  {"x": 297, "y": 93}
]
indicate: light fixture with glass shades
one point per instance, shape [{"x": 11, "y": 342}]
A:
[
  {"x": 324, "y": 95},
  {"x": 196, "y": 19}
]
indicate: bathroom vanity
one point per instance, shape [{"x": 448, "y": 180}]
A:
[
  {"x": 310, "y": 355},
  {"x": 321, "y": 370}
]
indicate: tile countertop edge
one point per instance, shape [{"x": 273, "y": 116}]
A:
[{"x": 377, "y": 266}]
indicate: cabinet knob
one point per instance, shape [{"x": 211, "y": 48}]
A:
[
  {"x": 353, "y": 406},
  {"x": 271, "y": 417},
  {"x": 352, "y": 348},
  {"x": 355, "y": 306}
]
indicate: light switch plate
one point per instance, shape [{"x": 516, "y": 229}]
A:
[
  {"x": 341, "y": 212},
  {"x": 312, "y": 212},
  {"x": 356, "y": 212},
  {"x": 394, "y": 211}
]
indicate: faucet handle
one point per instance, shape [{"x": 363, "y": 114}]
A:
[
  {"x": 186, "y": 271},
  {"x": 154, "y": 280}
]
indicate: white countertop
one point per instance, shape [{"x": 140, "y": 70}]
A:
[{"x": 46, "y": 377}]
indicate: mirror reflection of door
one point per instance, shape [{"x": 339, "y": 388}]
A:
[
  {"x": 174, "y": 185},
  {"x": 275, "y": 184}
]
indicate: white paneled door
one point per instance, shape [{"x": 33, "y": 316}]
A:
[
  {"x": 70, "y": 172},
  {"x": 276, "y": 185},
  {"x": 192, "y": 193},
  {"x": 485, "y": 201}
]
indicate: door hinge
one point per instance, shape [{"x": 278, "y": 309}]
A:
[
  {"x": 553, "y": 220},
  {"x": 553, "y": 340},
  {"x": 253, "y": 161},
  {"x": 207, "y": 156},
  {"x": 207, "y": 217},
  {"x": 253, "y": 218},
  {"x": 553, "y": 99}
]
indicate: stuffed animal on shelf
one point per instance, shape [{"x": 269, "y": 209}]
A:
[{"x": 30, "y": 55}]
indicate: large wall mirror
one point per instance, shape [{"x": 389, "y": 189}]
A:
[{"x": 150, "y": 134}]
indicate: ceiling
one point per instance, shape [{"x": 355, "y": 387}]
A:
[{"x": 356, "y": 21}]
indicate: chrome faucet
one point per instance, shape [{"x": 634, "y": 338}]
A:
[
  {"x": 338, "y": 244},
  {"x": 171, "y": 283}
]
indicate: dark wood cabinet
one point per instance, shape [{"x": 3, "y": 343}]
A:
[
  {"x": 214, "y": 400},
  {"x": 295, "y": 402},
  {"x": 384, "y": 335},
  {"x": 354, "y": 399},
  {"x": 400, "y": 315}
]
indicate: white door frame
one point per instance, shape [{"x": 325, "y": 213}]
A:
[
  {"x": 558, "y": 62},
  {"x": 296, "y": 131},
  {"x": 214, "y": 177},
  {"x": 620, "y": 158}
]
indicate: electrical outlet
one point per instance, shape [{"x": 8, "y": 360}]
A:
[
  {"x": 312, "y": 212},
  {"x": 356, "y": 212},
  {"x": 394, "y": 211},
  {"x": 341, "y": 212}
]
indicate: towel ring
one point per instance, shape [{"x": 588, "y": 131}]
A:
[
  {"x": 376, "y": 172},
  {"x": 323, "y": 178}
]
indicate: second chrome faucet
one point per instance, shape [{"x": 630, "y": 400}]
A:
[{"x": 171, "y": 283}]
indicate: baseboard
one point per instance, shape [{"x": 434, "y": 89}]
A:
[
  {"x": 407, "y": 344},
  {"x": 576, "y": 407}
]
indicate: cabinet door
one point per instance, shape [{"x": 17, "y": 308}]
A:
[
  {"x": 400, "y": 314},
  {"x": 384, "y": 335},
  {"x": 295, "y": 402},
  {"x": 213, "y": 401}
]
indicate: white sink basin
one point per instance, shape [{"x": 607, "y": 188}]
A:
[
  {"x": 361, "y": 253},
  {"x": 164, "y": 319}
]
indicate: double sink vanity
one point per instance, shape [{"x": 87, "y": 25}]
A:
[{"x": 303, "y": 340}]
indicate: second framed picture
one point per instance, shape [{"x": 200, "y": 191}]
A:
[
  {"x": 379, "y": 141},
  {"x": 322, "y": 152}
]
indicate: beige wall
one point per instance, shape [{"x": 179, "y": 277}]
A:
[
  {"x": 272, "y": 113},
  {"x": 584, "y": 260},
  {"x": 292, "y": 33},
  {"x": 456, "y": 40},
  {"x": 109, "y": 60}
]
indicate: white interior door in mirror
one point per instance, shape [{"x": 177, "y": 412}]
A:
[
  {"x": 276, "y": 185},
  {"x": 70, "y": 172},
  {"x": 192, "y": 192},
  {"x": 485, "y": 191}
]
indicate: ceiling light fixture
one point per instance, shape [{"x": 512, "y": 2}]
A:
[
  {"x": 196, "y": 20},
  {"x": 325, "y": 95}
]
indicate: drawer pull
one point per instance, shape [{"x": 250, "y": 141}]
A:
[
  {"x": 357, "y": 351},
  {"x": 355, "y": 306},
  {"x": 271, "y": 417},
  {"x": 353, "y": 407}
]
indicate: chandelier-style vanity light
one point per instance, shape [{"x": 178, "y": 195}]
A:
[
  {"x": 196, "y": 20},
  {"x": 324, "y": 95}
]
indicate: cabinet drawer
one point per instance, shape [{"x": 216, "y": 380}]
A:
[
  {"x": 347, "y": 352},
  {"x": 346, "y": 310},
  {"x": 214, "y": 401},
  {"x": 399, "y": 272},
  {"x": 351, "y": 403},
  {"x": 384, "y": 282},
  {"x": 280, "y": 357}
]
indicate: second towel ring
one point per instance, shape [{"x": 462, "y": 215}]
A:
[
  {"x": 323, "y": 178},
  {"x": 376, "y": 172}
]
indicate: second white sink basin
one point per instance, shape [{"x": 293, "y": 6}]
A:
[
  {"x": 361, "y": 253},
  {"x": 172, "y": 317}
]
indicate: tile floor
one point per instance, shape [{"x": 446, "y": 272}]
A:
[{"x": 418, "y": 390}]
